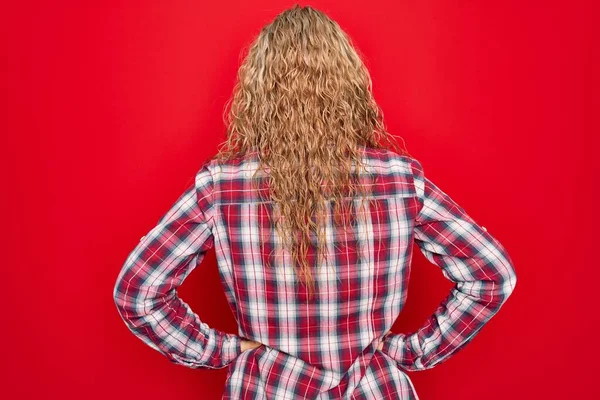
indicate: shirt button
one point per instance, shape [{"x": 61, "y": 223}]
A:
[
  {"x": 142, "y": 238},
  {"x": 484, "y": 228}
]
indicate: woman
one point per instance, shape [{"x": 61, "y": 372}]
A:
[{"x": 312, "y": 210}]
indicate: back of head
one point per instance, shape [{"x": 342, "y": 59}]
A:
[{"x": 303, "y": 102}]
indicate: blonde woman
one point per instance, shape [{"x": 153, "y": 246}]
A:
[{"x": 312, "y": 210}]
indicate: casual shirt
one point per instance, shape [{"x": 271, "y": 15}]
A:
[{"x": 324, "y": 347}]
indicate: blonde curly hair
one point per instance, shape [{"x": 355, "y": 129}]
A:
[{"x": 302, "y": 100}]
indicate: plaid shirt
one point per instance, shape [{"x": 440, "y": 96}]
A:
[{"x": 324, "y": 348}]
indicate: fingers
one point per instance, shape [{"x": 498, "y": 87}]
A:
[{"x": 250, "y": 344}]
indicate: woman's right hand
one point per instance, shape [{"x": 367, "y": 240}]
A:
[{"x": 249, "y": 344}]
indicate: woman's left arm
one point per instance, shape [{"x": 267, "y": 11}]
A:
[{"x": 145, "y": 292}]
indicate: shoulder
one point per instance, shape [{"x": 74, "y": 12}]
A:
[{"x": 383, "y": 159}]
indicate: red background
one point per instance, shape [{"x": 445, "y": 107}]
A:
[{"x": 110, "y": 108}]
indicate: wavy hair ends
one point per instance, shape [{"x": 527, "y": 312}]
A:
[{"x": 303, "y": 101}]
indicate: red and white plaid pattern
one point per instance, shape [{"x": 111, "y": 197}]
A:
[{"x": 324, "y": 348}]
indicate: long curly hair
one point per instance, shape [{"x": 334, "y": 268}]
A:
[{"x": 303, "y": 102}]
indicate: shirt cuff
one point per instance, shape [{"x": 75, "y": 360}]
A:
[
  {"x": 232, "y": 347},
  {"x": 393, "y": 344}
]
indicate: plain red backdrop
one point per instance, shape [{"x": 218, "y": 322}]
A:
[{"x": 110, "y": 108}]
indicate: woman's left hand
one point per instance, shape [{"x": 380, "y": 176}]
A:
[{"x": 380, "y": 346}]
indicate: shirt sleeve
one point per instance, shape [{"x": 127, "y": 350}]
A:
[
  {"x": 145, "y": 292},
  {"x": 469, "y": 256}
]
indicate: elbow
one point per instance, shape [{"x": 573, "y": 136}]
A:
[
  {"x": 512, "y": 279},
  {"x": 118, "y": 298},
  {"x": 506, "y": 274},
  {"x": 126, "y": 309},
  {"x": 135, "y": 307},
  {"x": 511, "y": 274},
  {"x": 507, "y": 281},
  {"x": 124, "y": 306},
  {"x": 500, "y": 287},
  {"x": 124, "y": 293}
]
